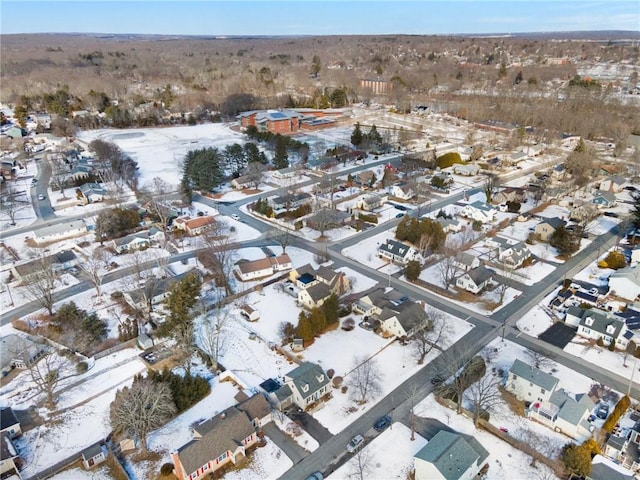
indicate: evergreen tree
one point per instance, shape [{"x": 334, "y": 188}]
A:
[
  {"x": 280, "y": 157},
  {"x": 304, "y": 329},
  {"x": 318, "y": 320},
  {"x": 576, "y": 459},
  {"x": 183, "y": 296},
  {"x": 331, "y": 308},
  {"x": 564, "y": 241},
  {"x": 374, "y": 136},
  {"x": 201, "y": 170},
  {"x": 356, "y": 136},
  {"x": 412, "y": 271}
]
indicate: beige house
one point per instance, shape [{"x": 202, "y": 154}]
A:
[
  {"x": 316, "y": 286},
  {"x": 547, "y": 227},
  {"x": 248, "y": 270}
]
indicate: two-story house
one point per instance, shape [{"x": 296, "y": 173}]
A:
[
  {"x": 547, "y": 227},
  {"x": 479, "y": 211},
  {"x": 475, "y": 280},
  {"x": 529, "y": 383},
  {"x": 399, "y": 252},
  {"x": 316, "y": 286},
  {"x": 304, "y": 386}
]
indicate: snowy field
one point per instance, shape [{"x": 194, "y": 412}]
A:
[{"x": 24, "y": 212}]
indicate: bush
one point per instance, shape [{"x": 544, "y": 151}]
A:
[
  {"x": 82, "y": 367},
  {"x": 618, "y": 411},
  {"x": 615, "y": 260},
  {"x": 600, "y": 342},
  {"x": 448, "y": 159},
  {"x": 368, "y": 218},
  {"x": 166, "y": 469},
  {"x": 603, "y": 264},
  {"x": 612, "y": 346},
  {"x": 116, "y": 295},
  {"x": 476, "y": 225}
]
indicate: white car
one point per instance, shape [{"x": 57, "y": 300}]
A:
[
  {"x": 235, "y": 217},
  {"x": 355, "y": 443}
]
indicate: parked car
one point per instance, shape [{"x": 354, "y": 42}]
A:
[
  {"x": 400, "y": 215},
  {"x": 400, "y": 207},
  {"x": 41, "y": 197},
  {"x": 437, "y": 380},
  {"x": 594, "y": 291},
  {"x": 235, "y": 217},
  {"x": 315, "y": 476},
  {"x": 602, "y": 411},
  {"x": 355, "y": 443},
  {"x": 382, "y": 423},
  {"x": 611, "y": 214}
]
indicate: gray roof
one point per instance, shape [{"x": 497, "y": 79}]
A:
[
  {"x": 480, "y": 274},
  {"x": 283, "y": 393},
  {"x": 601, "y": 321},
  {"x": 533, "y": 375},
  {"x": 570, "y": 409},
  {"x": 130, "y": 238},
  {"x": 608, "y": 196},
  {"x": 319, "y": 291},
  {"x": 255, "y": 407},
  {"x": 396, "y": 248},
  {"x": 553, "y": 222},
  {"x": 631, "y": 273},
  {"x": 7, "y": 418},
  {"x": 602, "y": 471},
  {"x": 452, "y": 453},
  {"x": 465, "y": 258},
  {"x": 616, "y": 442},
  {"x": 92, "y": 451},
  {"x": 214, "y": 437},
  {"x": 308, "y": 374}
]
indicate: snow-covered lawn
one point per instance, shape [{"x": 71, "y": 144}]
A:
[
  {"x": 79, "y": 473},
  {"x": 266, "y": 462},
  {"x": 366, "y": 252},
  {"x": 388, "y": 456}
]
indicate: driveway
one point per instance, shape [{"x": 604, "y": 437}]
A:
[
  {"x": 426, "y": 427},
  {"x": 311, "y": 425},
  {"x": 558, "y": 335},
  {"x": 287, "y": 444}
]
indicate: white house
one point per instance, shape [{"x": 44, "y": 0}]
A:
[
  {"x": 59, "y": 231},
  {"x": 450, "y": 456},
  {"x": 398, "y": 252},
  {"x": 371, "y": 202},
  {"x": 594, "y": 324},
  {"x": 466, "y": 261},
  {"x": 402, "y": 320},
  {"x": 613, "y": 184},
  {"x": 250, "y": 313},
  {"x": 264, "y": 267},
  {"x": 466, "y": 169},
  {"x": 130, "y": 243},
  {"x": 529, "y": 383},
  {"x": 565, "y": 413},
  {"x": 479, "y": 211},
  {"x": 625, "y": 283},
  {"x": 305, "y": 385},
  {"x": 94, "y": 455},
  {"x": 402, "y": 191},
  {"x": 513, "y": 256},
  {"x": 475, "y": 279},
  {"x": 93, "y": 192}
]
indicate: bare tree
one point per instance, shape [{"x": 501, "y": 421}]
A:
[
  {"x": 324, "y": 220},
  {"x": 429, "y": 334},
  {"x": 365, "y": 379},
  {"x": 539, "y": 360},
  {"x": 12, "y": 201},
  {"x": 503, "y": 286},
  {"x": 41, "y": 284},
  {"x": 94, "y": 268},
  {"x": 219, "y": 254},
  {"x": 47, "y": 373},
  {"x": 141, "y": 408},
  {"x": 283, "y": 237},
  {"x": 59, "y": 173},
  {"x": 484, "y": 396},
  {"x": 361, "y": 465},
  {"x": 254, "y": 172},
  {"x": 212, "y": 335},
  {"x": 448, "y": 269},
  {"x": 156, "y": 198},
  {"x": 491, "y": 185}
]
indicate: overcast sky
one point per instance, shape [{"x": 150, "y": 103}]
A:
[{"x": 262, "y": 17}]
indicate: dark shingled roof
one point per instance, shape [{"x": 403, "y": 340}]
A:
[{"x": 7, "y": 418}]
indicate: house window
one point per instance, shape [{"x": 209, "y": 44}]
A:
[
  {"x": 221, "y": 457},
  {"x": 205, "y": 468}
]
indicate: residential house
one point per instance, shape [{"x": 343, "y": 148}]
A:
[
  {"x": 625, "y": 283},
  {"x": 449, "y": 225},
  {"x": 371, "y": 303},
  {"x": 398, "y": 252},
  {"x": 466, "y": 169},
  {"x": 402, "y": 191},
  {"x": 604, "y": 200},
  {"x": 474, "y": 280},
  {"x": 43, "y": 120},
  {"x": 613, "y": 184},
  {"x": 509, "y": 194},
  {"x": 288, "y": 172},
  {"x": 291, "y": 201},
  {"x": 594, "y": 324},
  {"x": 194, "y": 226},
  {"x": 94, "y": 455},
  {"x": 372, "y": 201},
  {"x": 9, "y": 423},
  {"x": 132, "y": 242},
  {"x": 10, "y": 461},
  {"x": 217, "y": 442},
  {"x": 80, "y": 171},
  {"x": 604, "y": 469},
  {"x": 466, "y": 261},
  {"x": 246, "y": 181},
  {"x": 530, "y": 383},
  {"x": 564, "y": 413},
  {"x": 635, "y": 254},
  {"x": 365, "y": 178},
  {"x": 304, "y": 386},
  {"x": 547, "y": 227},
  {"x": 450, "y": 456},
  {"x": 92, "y": 193},
  {"x": 16, "y": 132},
  {"x": 17, "y": 351},
  {"x": 478, "y": 211},
  {"x": 257, "y": 409},
  {"x": 59, "y": 231},
  {"x": 248, "y": 270},
  {"x": 624, "y": 448},
  {"x": 510, "y": 256},
  {"x": 153, "y": 292},
  {"x": 516, "y": 157},
  {"x": 316, "y": 286},
  {"x": 442, "y": 178},
  {"x": 58, "y": 262},
  {"x": 401, "y": 320}
]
